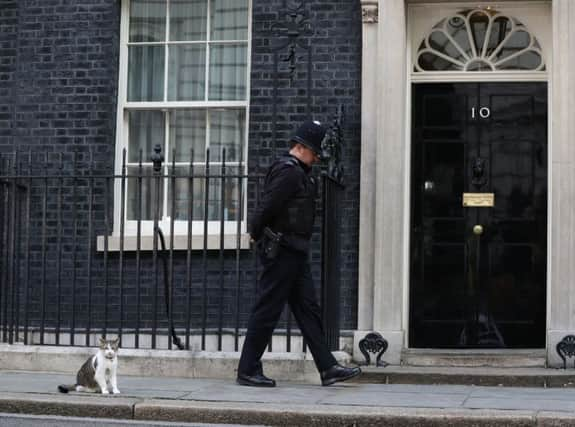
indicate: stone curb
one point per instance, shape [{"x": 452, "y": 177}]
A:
[
  {"x": 555, "y": 419},
  {"x": 273, "y": 414},
  {"x": 328, "y": 415},
  {"x": 68, "y": 405}
]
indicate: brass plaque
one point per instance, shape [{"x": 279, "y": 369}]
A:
[{"x": 478, "y": 200}]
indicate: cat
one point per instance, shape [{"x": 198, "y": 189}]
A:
[{"x": 98, "y": 371}]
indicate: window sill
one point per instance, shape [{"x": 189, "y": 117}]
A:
[{"x": 180, "y": 243}]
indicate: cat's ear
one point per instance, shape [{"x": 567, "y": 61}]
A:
[
  {"x": 116, "y": 342},
  {"x": 102, "y": 342}
]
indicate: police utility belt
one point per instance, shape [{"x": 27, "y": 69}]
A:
[{"x": 273, "y": 240}]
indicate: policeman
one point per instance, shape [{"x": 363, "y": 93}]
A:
[{"x": 282, "y": 227}]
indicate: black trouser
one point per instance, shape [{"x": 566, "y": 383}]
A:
[{"x": 286, "y": 278}]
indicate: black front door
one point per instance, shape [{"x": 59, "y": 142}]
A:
[{"x": 478, "y": 273}]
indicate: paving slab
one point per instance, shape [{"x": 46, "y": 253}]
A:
[
  {"x": 231, "y": 392},
  {"x": 47, "y": 383},
  {"x": 527, "y": 393},
  {"x": 391, "y": 399},
  {"x": 520, "y": 403}
]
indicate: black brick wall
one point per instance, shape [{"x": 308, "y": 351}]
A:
[
  {"x": 58, "y": 88},
  {"x": 62, "y": 77},
  {"x": 8, "y": 53}
]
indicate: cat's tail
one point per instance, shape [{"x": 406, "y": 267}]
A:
[{"x": 63, "y": 388}]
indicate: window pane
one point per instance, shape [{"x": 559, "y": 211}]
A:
[
  {"x": 518, "y": 41},
  {"x": 229, "y": 20},
  {"x": 529, "y": 60},
  {"x": 227, "y": 131},
  {"x": 230, "y": 184},
  {"x": 146, "y": 73},
  {"x": 147, "y": 20},
  {"x": 431, "y": 62},
  {"x": 228, "y": 65},
  {"x": 439, "y": 42},
  {"x": 479, "y": 23},
  {"x": 187, "y": 72},
  {"x": 187, "y": 133},
  {"x": 146, "y": 130},
  {"x": 144, "y": 195},
  {"x": 188, "y": 20},
  {"x": 457, "y": 28},
  {"x": 190, "y": 192},
  {"x": 500, "y": 28}
]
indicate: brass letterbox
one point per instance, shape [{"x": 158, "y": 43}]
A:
[{"x": 478, "y": 200}]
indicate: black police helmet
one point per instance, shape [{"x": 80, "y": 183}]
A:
[{"x": 310, "y": 134}]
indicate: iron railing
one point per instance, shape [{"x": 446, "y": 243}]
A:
[{"x": 147, "y": 254}]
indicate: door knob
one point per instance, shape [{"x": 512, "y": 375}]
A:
[{"x": 477, "y": 229}]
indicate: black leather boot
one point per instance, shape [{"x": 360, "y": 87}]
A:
[{"x": 338, "y": 373}]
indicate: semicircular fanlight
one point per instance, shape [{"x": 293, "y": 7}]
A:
[{"x": 479, "y": 40}]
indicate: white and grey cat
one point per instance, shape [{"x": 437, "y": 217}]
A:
[{"x": 98, "y": 373}]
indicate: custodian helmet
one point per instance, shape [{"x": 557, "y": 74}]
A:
[{"x": 310, "y": 134}]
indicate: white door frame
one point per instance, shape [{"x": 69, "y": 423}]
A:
[{"x": 388, "y": 32}]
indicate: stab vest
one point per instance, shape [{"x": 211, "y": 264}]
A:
[{"x": 299, "y": 213}]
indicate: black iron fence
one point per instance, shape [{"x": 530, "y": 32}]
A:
[{"x": 157, "y": 254}]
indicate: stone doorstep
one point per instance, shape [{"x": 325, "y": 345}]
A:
[
  {"x": 480, "y": 376},
  {"x": 272, "y": 414},
  {"x": 495, "y": 358}
]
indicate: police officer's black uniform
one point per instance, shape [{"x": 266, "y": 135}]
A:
[{"x": 287, "y": 206}]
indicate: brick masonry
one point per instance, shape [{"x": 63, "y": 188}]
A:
[{"x": 58, "y": 89}]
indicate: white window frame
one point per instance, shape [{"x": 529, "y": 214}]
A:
[{"x": 180, "y": 227}]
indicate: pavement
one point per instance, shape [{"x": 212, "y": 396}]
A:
[{"x": 217, "y": 401}]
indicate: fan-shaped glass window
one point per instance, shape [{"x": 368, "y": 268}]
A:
[{"x": 479, "y": 40}]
